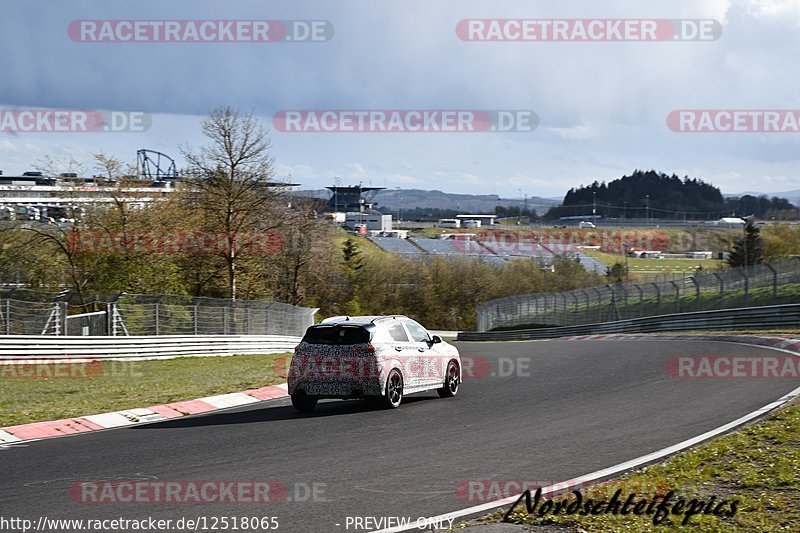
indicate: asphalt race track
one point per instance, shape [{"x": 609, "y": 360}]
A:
[{"x": 583, "y": 406}]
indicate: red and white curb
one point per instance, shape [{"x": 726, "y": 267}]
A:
[{"x": 130, "y": 417}]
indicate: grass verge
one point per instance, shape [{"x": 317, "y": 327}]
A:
[
  {"x": 759, "y": 465},
  {"x": 36, "y": 393},
  {"x": 666, "y": 266}
]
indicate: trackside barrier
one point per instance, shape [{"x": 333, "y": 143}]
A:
[
  {"x": 752, "y": 286},
  {"x": 766, "y": 317},
  {"x": 48, "y": 348}
]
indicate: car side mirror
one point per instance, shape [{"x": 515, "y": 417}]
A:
[{"x": 436, "y": 339}]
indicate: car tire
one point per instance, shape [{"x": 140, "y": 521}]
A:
[
  {"x": 451, "y": 381},
  {"x": 303, "y": 402},
  {"x": 394, "y": 390}
]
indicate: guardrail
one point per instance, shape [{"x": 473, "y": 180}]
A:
[
  {"x": 724, "y": 319},
  {"x": 48, "y": 348}
]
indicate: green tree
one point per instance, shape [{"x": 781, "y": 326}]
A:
[
  {"x": 781, "y": 241},
  {"x": 748, "y": 250},
  {"x": 616, "y": 273}
]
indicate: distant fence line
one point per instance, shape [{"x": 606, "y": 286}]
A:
[
  {"x": 755, "y": 285},
  {"x": 31, "y": 313}
]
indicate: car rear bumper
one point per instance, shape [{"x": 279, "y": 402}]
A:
[{"x": 337, "y": 388}]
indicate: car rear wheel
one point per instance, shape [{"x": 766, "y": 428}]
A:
[
  {"x": 451, "y": 381},
  {"x": 303, "y": 402},
  {"x": 394, "y": 390}
]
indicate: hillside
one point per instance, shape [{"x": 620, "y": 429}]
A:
[
  {"x": 658, "y": 195},
  {"x": 406, "y": 199}
]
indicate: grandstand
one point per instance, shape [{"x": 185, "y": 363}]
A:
[
  {"x": 496, "y": 253},
  {"x": 460, "y": 247},
  {"x": 396, "y": 246}
]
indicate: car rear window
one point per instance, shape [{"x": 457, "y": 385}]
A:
[{"x": 336, "y": 335}]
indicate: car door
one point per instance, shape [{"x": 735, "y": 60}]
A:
[
  {"x": 427, "y": 358},
  {"x": 403, "y": 352}
]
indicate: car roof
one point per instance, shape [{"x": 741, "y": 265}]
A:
[{"x": 358, "y": 320}]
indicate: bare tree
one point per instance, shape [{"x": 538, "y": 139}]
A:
[
  {"x": 55, "y": 166},
  {"x": 232, "y": 180}
]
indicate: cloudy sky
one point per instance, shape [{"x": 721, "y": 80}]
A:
[{"x": 602, "y": 106}]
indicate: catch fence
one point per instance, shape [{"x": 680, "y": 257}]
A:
[
  {"x": 33, "y": 313},
  {"x": 754, "y": 285}
]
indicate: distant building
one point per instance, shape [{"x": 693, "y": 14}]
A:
[
  {"x": 349, "y": 199},
  {"x": 449, "y": 223},
  {"x": 729, "y": 222},
  {"x": 485, "y": 220},
  {"x": 372, "y": 221}
]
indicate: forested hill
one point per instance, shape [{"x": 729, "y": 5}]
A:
[{"x": 667, "y": 197}]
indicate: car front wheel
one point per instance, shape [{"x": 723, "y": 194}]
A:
[
  {"x": 451, "y": 381},
  {"x": 303, "y": 402},
  {"x": 394, "y": 390}
]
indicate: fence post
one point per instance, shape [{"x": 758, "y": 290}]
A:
[
  {"x": 721, "y": 290},
  {"x": 614, "y": 306},
  {"x": 774, "y": 282},
  {"x": 248, "y": 320},
  {"x": 696, "y": 292},
  {"x": 641, "y": 298},
  {"x": 8, "y": 317},
  {"x": 575, "y": 299},
  {"x": 677, "y": 297},
  {"x": 64, "y": 313},
  {"x": 584, "y": 318},
  {"x": 156, "y": 317},
  {"x": 746, "y": 283},
  {"x": 194, "y": 319},
  {"x": 225, "y": 320},
  {"x": 599, "y": 304},
  {"x": 658, "y": 298},
  {"x": 565, "y": 312}
]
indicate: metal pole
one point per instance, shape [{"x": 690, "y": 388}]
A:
[
  {"x": 774, "y": 282},
  {"x": 641, "y": 298},
  {"x": 677, "y": 297},
  {"x": 658, "y": 298},
  {"x": 696, "y": 292},
  {"x": 721, "y": 289}
]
